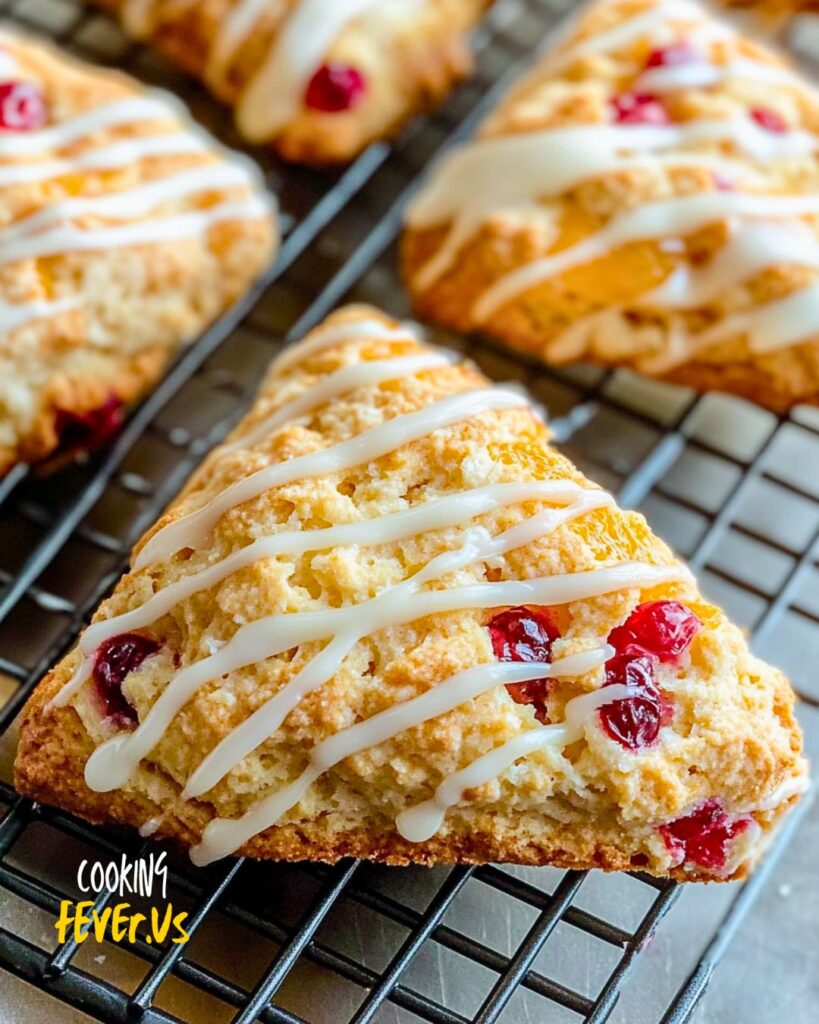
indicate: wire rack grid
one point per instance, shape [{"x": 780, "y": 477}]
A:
[{"x": 356, "y": 942}]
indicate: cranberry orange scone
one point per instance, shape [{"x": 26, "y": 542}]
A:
[
  {"x": 125, "y": 231},
  {"x": 647, "y": 197},
  {"x": 388, "y": 620},
  {"x": 317, "y": 79}
]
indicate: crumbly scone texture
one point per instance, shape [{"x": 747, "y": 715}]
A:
[
  {"x": 592, "y": 804},
  {"x": 632, "y": 330},
  {"x": 410, "y": 63},
  {"x": 124, "y": 310}
]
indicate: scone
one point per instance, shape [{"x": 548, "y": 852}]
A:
[
  {"x": 388, "y": 620},
  {"x": 126, "y": 230},
  {"x": 317, "y": 79},
  {"x": 647, "y": 197}
]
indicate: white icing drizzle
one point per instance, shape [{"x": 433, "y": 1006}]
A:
[
  {"x": 112, "y": 764},
  {"x": 13, "y": 315},
  {"x": 348, "y": 378},
  {"x": 419, "y": 823},
  {"x": 194, "y": 529},
  {"x": 436, "y": 514},
  {"x": 768, "y": 327},
  {"x": 336, "y": 334},
  {"x": 274, "y": 94},
  {"x": 680, "y": 215},
  {"x": 703, "y": 74},
  {"x": 71, "y": 239},
  {"x": 235, "y": 29},
  {"x": 223, "y": 836},
  {"x": 656, "y": 23},
  {"x": 127, "y": 204},
  {"x": 752, "y": 246},
  {"x": 79, "y": 223},
  {"x": 518, "y": 174},
  {"x": 119, "y": 154},
  {"x": 477, "y": 179},
  {"x": 391, "y": 603},
  {"x": 135, "y": 110}
]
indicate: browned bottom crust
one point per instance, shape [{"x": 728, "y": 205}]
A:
[{"x": 50, "y": 766}]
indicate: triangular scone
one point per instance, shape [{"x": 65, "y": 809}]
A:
[
  {"x": 647, "y": 197},
  {"x": 126, "y": 231},
  {"x": 394, "y": 541},
  {"x": 316, "y": 79}
]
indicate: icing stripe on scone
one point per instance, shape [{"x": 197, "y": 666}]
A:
[
  {"x": 521, "y": 173},
  {"x": 436, "y": 514},
  {"x": 477, "y": 179},
  {"x": 194, "y": 529},
  {"x": 14, "y": 316},
  {"x": 69, "y": 238},
  {"x": 419, "y": 823},
  {"x": 113, "y": 157},
  {"x": 112, "y": 764},
  {"x": 222, "y": 836},
  {"x": 681, "y": 215},
  {"x": 114, "y": 219},
  {"x": 75, "y": 129}
]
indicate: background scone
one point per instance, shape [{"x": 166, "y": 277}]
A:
[
  {"x": 317, "y": 79},
  {"x": 647, "y": 197},
  {"x": 125, "y": 231},
  {"x": 388, "y": 620}
]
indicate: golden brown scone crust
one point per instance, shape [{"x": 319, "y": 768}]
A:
[
  {"x": 123, "y": 311},
  {"x": 592, "y": 805},
  {"x": 419, "y": 62},
  {"x": 633, "y": 331}
]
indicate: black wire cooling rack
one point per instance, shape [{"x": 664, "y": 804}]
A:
[{"x": 735, "y": 489}]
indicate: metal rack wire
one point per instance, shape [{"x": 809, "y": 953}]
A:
[{"x": 64, "y": 540}]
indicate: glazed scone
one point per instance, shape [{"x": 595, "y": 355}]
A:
[
  {"x": 647, "y": 197},
  {"x": 126, "y": 230},
  {"x": 388, "y": 620},
  {"x": 317, "y": 79}
]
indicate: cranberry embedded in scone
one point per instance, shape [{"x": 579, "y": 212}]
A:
[
  {"x": 662, "y": 628},
  {"x": 115, "y": 659},
  {"x": 634, "y": 722},
  {"x": 672, "y": 55},
  {"x": 334, "y": 88},
  {"x": 638, "y": 108},
  {"x": 91, "y": 429},
  {"x": 22, "y": 107},
  {"x": 769, "y": 119},
  {"x": 520, "y": 634},
  {"x": 702, "y": 837}
]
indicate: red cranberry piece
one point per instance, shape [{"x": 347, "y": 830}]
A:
[
  {"x": 770, "y": 120},
  {"x": 115, "y": 659},
  {"x": 662, "y": 628},
  {"x": 638, "y": 108},
  {"x": 672, "y": 56},
  {"x": 635, "y": 721},
  {"x": 702, "y": 837},
  {"x": 335, "y": 87},
  {"x": 91, "y": 429},
  {"x": 520, "y": 634},
  {"x": 22, "y": 107}
]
